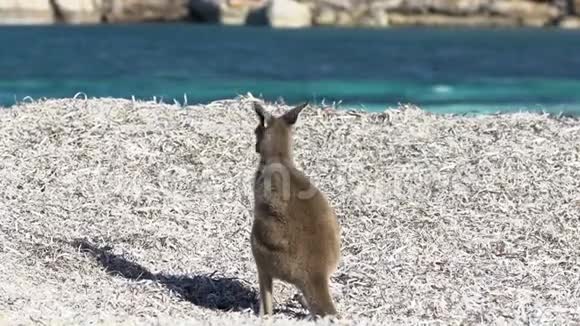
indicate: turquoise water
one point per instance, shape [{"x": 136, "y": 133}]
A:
[{"x": 442, "y": 70}]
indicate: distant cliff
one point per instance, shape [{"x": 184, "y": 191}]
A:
[{"x": 299, "y": 13}]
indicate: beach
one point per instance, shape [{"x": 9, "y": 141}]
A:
[{"x": 115, "y": 211}]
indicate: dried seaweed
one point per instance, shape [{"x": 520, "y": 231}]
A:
[{"x": 118, "y": 211}]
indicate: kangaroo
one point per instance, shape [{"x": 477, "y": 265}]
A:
[{"x": 295, "y": 234}]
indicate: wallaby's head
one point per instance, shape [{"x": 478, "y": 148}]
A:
[{"x": 274, "y": 134}]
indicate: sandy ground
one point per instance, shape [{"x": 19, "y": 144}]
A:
[{"x": 121, "y": 212}]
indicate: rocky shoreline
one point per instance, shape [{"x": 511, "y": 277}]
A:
[{"x": 298, "y": 13}]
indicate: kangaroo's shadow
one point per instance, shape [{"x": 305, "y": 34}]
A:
[{"x": 208, "y": 291}]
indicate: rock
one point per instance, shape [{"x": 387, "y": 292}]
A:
[
  {"x": 530, "y": 12},
  {"x": 367, "y": 14},
  {"x": 233, "y": 15},
  {"x": 570, "y": 22},
  {"x": 458, "y": 7},
  {"x": 325, "y": 16},
  {"x": 206, "y": 10},
  {"x": 536, "y": 21},
  {"x": 521, "y": 12},
  {"x": 344, "y": 18},
  {"x": 397, "y": 19},
  {"x": 331, "y": 15},
  {"x": 298, "y": 13},
  {"x": 78, "y": 11},
  {"x": 450, "y": 7},
  {"x": 239, "y": 12},
  {"x": 288, "y": 14},
  {"x": 26, "y": 12},
  {"x": 567, "y": 7},
  {"x": 373, "y": 18},
  {"x": 337, "y": 4},
  {"x": 388, "y": 4},
  {"x": 144, "y": 10},
  {"x": 229, "y": 12}
]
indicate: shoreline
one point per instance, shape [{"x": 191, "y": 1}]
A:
[
  {"x": 300, "y": 13},
  {"x": 339, "y": 107}
]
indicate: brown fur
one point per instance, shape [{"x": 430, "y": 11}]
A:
[{"x": 295, "y": 236}]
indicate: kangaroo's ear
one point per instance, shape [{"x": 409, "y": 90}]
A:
[
  {"x": 291, "y": 116},
  {"x": 262, "y": 113}
]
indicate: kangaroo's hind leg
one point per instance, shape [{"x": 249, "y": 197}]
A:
[
  {"x": 265, "y": 281},
  {"x": 317, "y": 293}
]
